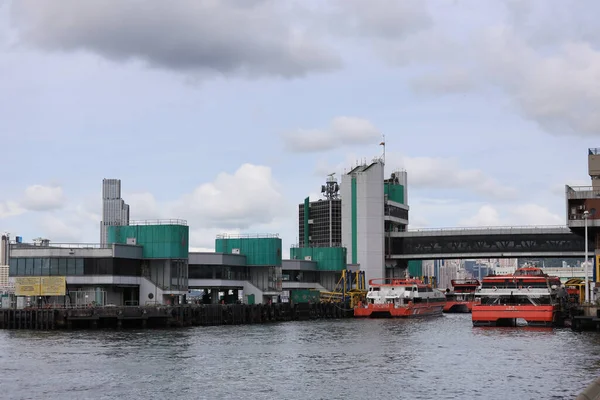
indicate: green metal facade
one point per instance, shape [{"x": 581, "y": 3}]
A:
[
  {"x": 354, "y": 221},
  {"x": 305, "y": 296},
  {"x": 415, "y": 268},
  {"x": 158, "y": 241},
  {"x": 394, "y": 192},
  {"x": 258, "y": 251},
  {"x": 306, "y": 218},
  {"x": 327, "y": 258}
]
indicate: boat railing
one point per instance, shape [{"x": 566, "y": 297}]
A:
[{"x": 394, "y": 282}]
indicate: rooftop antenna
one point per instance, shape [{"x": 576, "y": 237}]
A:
[{"x": 331, "y": 188}]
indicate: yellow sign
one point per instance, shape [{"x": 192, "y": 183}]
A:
[
  {"x": 40, "y": 286},
  {"x": 27, "y": 286},
  {"x": 597, "y": 267},
  {"x": 53, "y": 286}
]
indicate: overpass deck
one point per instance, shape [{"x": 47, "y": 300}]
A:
[{"x": 488, "y": 242}]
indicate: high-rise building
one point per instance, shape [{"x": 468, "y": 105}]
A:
[
  {"x": 320, "y": 221},
  {"x": 363, "y": 207},
  {"x": 115, "y": 212},
  {"x": 4, "y": 246}
]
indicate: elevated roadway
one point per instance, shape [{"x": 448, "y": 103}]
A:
[{"x": 488, "y": 242}]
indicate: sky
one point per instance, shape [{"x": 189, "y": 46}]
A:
[{"x": 228, "y": 113}]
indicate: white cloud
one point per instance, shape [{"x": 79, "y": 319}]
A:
[
  {"x": 342, "y": 131},
  {"x": 61, "y": 229},
  {"x": 142, "y": 206},
  {"x": 520, "y": 215},
  {"x": 433, "y": 173},
  {"x": 543, "y": 55},
  {"x": 485, "y": 216},
  {"x": 249, "y": 201},
  {"x": 43, "y": 198},
  {"x": 238, "y": 200},
  {"x": 10, "y": 209}
]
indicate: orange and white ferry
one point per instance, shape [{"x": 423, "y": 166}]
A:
[
  {"x": 462, "y": 296},
  {"x": 527, "y": 297},
  {"x": 392, "y": 297}
]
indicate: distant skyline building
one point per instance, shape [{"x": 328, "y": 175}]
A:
[{"x": 115, "y": 212}]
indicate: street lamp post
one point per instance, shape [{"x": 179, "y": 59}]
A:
[{"x": 586, "y": 214}]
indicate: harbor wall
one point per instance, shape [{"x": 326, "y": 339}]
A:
[{"x": 166, "y": 316}]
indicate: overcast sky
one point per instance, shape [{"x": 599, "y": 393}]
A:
[{"x": 227, "y": 113}]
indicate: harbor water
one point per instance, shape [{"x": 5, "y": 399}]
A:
[{"x": 434, "y": 358}]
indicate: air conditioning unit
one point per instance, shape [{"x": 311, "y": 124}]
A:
[
  {"x": 235, "y": 251},
  {"x": 308, "y": 258},
  {"x": 132, "y": 241}
]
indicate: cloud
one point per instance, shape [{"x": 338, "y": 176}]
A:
[
  {"x": 43, "y": 198},
  {"x": 342, "y": 131},
  {"x": 391, "y": 19},
  {"x": 248, "y": 196},
  {"x": 433, "y": 173},
  {"x": 10, "y": 209},
  {"x": 249, "y": 199},
  {"x": 560, "y": 90},
  {"x": 543, "y": 55},
  {"x": 61, "y": 229},
  {"x": 521, "y": 215},
  {"x": 231, "y": 37}
]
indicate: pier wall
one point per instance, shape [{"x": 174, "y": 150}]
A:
[{"x": 164, "y": 316}]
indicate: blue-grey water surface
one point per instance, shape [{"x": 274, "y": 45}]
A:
[{"x": 437, "y": 358}]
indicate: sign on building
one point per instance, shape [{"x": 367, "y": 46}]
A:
[{"x": 40, "y": 286}]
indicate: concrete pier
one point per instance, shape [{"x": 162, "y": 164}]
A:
[{"x": 165, "y": 316}]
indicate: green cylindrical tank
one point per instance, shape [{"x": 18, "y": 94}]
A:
[
  {"x": 258, "y": 250},
  {"x": 327, "y": 258},
  {"x": 158, "y": 241}
]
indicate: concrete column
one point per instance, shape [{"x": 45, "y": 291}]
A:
[{"x": 214, "y": 296}]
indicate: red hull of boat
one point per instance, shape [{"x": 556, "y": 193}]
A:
[
  {"x": 389, "y": 311},
  {"x": 483, "y": 315}
]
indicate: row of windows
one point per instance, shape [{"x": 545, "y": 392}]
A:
[
  {"x": 218, "y": 272},
  {"x": 396, "y": 212},
  {"x": 72, "y": 266}
]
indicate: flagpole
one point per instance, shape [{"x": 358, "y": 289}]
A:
[{"x": 383, "y": 144}]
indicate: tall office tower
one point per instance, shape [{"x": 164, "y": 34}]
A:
[
  {"x": 4, "y": 246},
  {"x": 320, "y": 221},
  {"x": 363, "y": 207},
  {"x": 115, "y": 211}
]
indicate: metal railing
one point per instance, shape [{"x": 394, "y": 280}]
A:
[
  {"x": 491, "y": 228},
  {"x": 580, "y": 188},
  {"x": 247, "y": 235},
  {"x": 182, "y": 222},
  {"x": 60, "y": 246}
]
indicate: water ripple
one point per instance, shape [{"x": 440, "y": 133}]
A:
[{"x": 441, "y": 358}]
